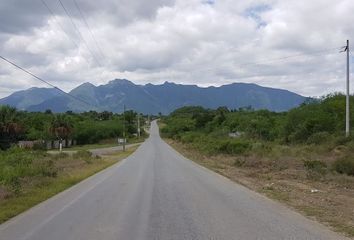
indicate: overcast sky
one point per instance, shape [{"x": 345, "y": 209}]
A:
[{"x": 203, "y": 42}]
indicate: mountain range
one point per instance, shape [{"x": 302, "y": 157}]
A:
[{"x": 152, "y": 99}]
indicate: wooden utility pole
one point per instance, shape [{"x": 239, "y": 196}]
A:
[
  {"x": 347, "y": 109},
  {"x": 138, "y": 125},
  {"x": 124, "y": 128}
]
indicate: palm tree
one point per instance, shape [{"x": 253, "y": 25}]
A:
[
  {"x": 61, "y": 127},
  {"x": 10, "y": 127}
]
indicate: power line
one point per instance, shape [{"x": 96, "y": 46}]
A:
[
  {"x": 88, "y": 27},
  {"x": 55, "y": 18},
  {"x": 280, "y": 59},
  {"x": 80, "y": 35},
  {"x": 62, "y": 28},
  {"x": 46, "y": 82},
  {"x": 293, "y": 56}
]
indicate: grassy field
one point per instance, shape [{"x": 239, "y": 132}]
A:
[
  {"x": 298, "y": 176},
  {"x": 37, "y": 176}
]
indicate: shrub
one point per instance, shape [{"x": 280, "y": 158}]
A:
[
  {"x": 45, "y": 167},
  {"x": 239, "y": 162},
  {"x": 60, "y": 155},
  {"x": 84, "y": 155},
  {"x": 234, "y": 146},
  {"x": 344, "y": 166},
  {"x": 342, "y": 140},
  {"x": 314, "y": 165},
  {"x": 19, "y": 164},
  {"x": 315, "y": 168},
  {"x": 190, "y": 137},
  {"x": 318, "y": 138},
  {"x": 39, "y": 146}
]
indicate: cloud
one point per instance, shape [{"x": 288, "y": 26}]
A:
[{"x": 194, "y": 42}]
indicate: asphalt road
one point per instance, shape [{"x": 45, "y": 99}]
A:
[{"x": 157, "y": 194}]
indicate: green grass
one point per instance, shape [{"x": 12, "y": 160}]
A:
[
  {"x": 43, "y": 188},
  {"x": 104, "y": 145},
  {"x": 91, "y": 146}
]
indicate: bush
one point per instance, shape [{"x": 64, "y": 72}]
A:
[
  {"x": 190, "y": 137},
  {"x": 84, "y": 155},
  {"x": 314, "y": 165},
  {"x": 233, "y": 146},
  {"x": 344, "y": 166},
  {"x": 318, "y": 138},
  {"x": 39, "y": 146},
  {"x": 342, "y": 140},
  {"x": 18, "y": 164},
  {"x": 239, "y": 162},
  {"x": 60, "y": 155},
  {"x": 315, "y": 168}
]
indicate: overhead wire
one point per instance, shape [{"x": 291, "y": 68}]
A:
[
  {"x": 79, "y": 33},
  {"x": 280, "y": 59},
  {"x": 88, "y": 27},
  {"x": 323, "y": 51},
  {"x": 59, "y": 24},
  {"x": 46, "y": 82},
  {"x": 62, "y": 28}
]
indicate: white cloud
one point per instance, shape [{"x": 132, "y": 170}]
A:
[{"x": 194, "y": 42}]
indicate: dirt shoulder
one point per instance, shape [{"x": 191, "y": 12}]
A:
[{"x": 327, "y": 198}]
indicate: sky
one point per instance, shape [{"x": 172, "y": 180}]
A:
[{"x": 288, "y": 44}]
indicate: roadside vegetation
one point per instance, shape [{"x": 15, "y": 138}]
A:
[
  {"x": 86, "y": 128},
  {"x": 299, "y": 157},
  {"x": 30, "y": 177}
]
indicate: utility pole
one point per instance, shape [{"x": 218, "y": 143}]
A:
[
  {"x": 124, "y": 128},
  {"x": 138, "y": 125},
  {"x": 347, "y": 109}
]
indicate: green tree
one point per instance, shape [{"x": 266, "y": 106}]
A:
[{"x": 11, "y": 129}]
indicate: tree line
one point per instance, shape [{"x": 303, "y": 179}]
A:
[
  {"x": 86, "y": 127},
  {"x": 316, "y": 122}
]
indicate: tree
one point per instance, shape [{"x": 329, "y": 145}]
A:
[
  {"x": 10, "y": 127},
  {"x": 61, "y": 127}
]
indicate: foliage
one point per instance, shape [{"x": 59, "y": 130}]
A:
[
  {"x": 84, "y": 155},
  {"x": 11, "y": 127},
  {"x": 16, "y": 164},
  {"x": 316, "y": 122},
  {"x": 315, "y": 168},
  {"x": 87, "y": 127},
  {"x": 344, "y": 165}
]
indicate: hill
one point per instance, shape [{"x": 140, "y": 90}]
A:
[{"x": 152, "y": 99}]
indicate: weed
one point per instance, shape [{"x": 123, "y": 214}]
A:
[{"x": 239, "y": 162}]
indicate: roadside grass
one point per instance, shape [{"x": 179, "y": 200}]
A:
[
  {"x": 105, "y": 144},
  {"x": 34, "y": 189},
  {"x": 91, "y": 146},
  {"x": 300, "y": 176}
]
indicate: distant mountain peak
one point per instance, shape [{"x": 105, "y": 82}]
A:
[
  {"x": 169, "y": 83},
  {"x": 87, "y": 84},
  {"x": 120, "y": 82},
  {"x": 152, "y": 99}
]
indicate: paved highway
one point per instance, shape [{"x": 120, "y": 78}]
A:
[{"x": 156, "y": 194}]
